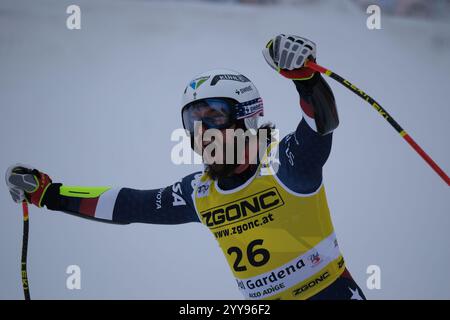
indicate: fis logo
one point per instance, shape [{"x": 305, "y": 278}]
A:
[
  {"x": 258, "y": 203},
  {"x": 203, "y": 189}
]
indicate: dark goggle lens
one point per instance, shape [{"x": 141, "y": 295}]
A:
[{"x": 212, "y": 113}]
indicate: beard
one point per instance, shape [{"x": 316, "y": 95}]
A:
[
  {"x": 223, "y": 170},
  {"x": 218, "y": 171}
]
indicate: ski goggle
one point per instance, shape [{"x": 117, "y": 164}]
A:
[
  {"x": 218, "y": 113},
  {"x": 213, "y": 113}
]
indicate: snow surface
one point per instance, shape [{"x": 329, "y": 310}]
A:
[{"x": 97, "y": 106}]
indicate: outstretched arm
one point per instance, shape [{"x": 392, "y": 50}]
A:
[{"x": 169, "y": 205}]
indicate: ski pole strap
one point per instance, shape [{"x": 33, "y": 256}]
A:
[
  {"x": 26, "y": 290},
  {"x": 384, "y": 114}
]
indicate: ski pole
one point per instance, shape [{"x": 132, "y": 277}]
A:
[
  {"x": 384, "y": 114},
  {"x": 26, "y": 289}
]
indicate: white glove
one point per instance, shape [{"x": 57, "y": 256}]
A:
[
  {"x": 289, "y": 52},
  {"x": 20, "y": 179}
]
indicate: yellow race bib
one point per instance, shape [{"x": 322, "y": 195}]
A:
[{"x": 278, "y": 243}]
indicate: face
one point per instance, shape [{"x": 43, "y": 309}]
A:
[
  {"x": 215, "y": 148},
  {"x": 213, "y": 132},
  {"x": 210, "y": 143}
]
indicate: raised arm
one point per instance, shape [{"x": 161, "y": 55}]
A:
[
  {"x": 169, "y": 205},
  {"x": 303, "y": 153}
]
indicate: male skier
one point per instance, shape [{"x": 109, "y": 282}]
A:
[{"x": 271, "y": 220}]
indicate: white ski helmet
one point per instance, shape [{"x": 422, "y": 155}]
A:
[{"x": 231, "y": 85}]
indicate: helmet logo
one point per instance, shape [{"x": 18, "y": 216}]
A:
[
  {"x": 198, "y": 82},
  {"x": 244, "y": 90},
  {"x": 232, "y": 77}
]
